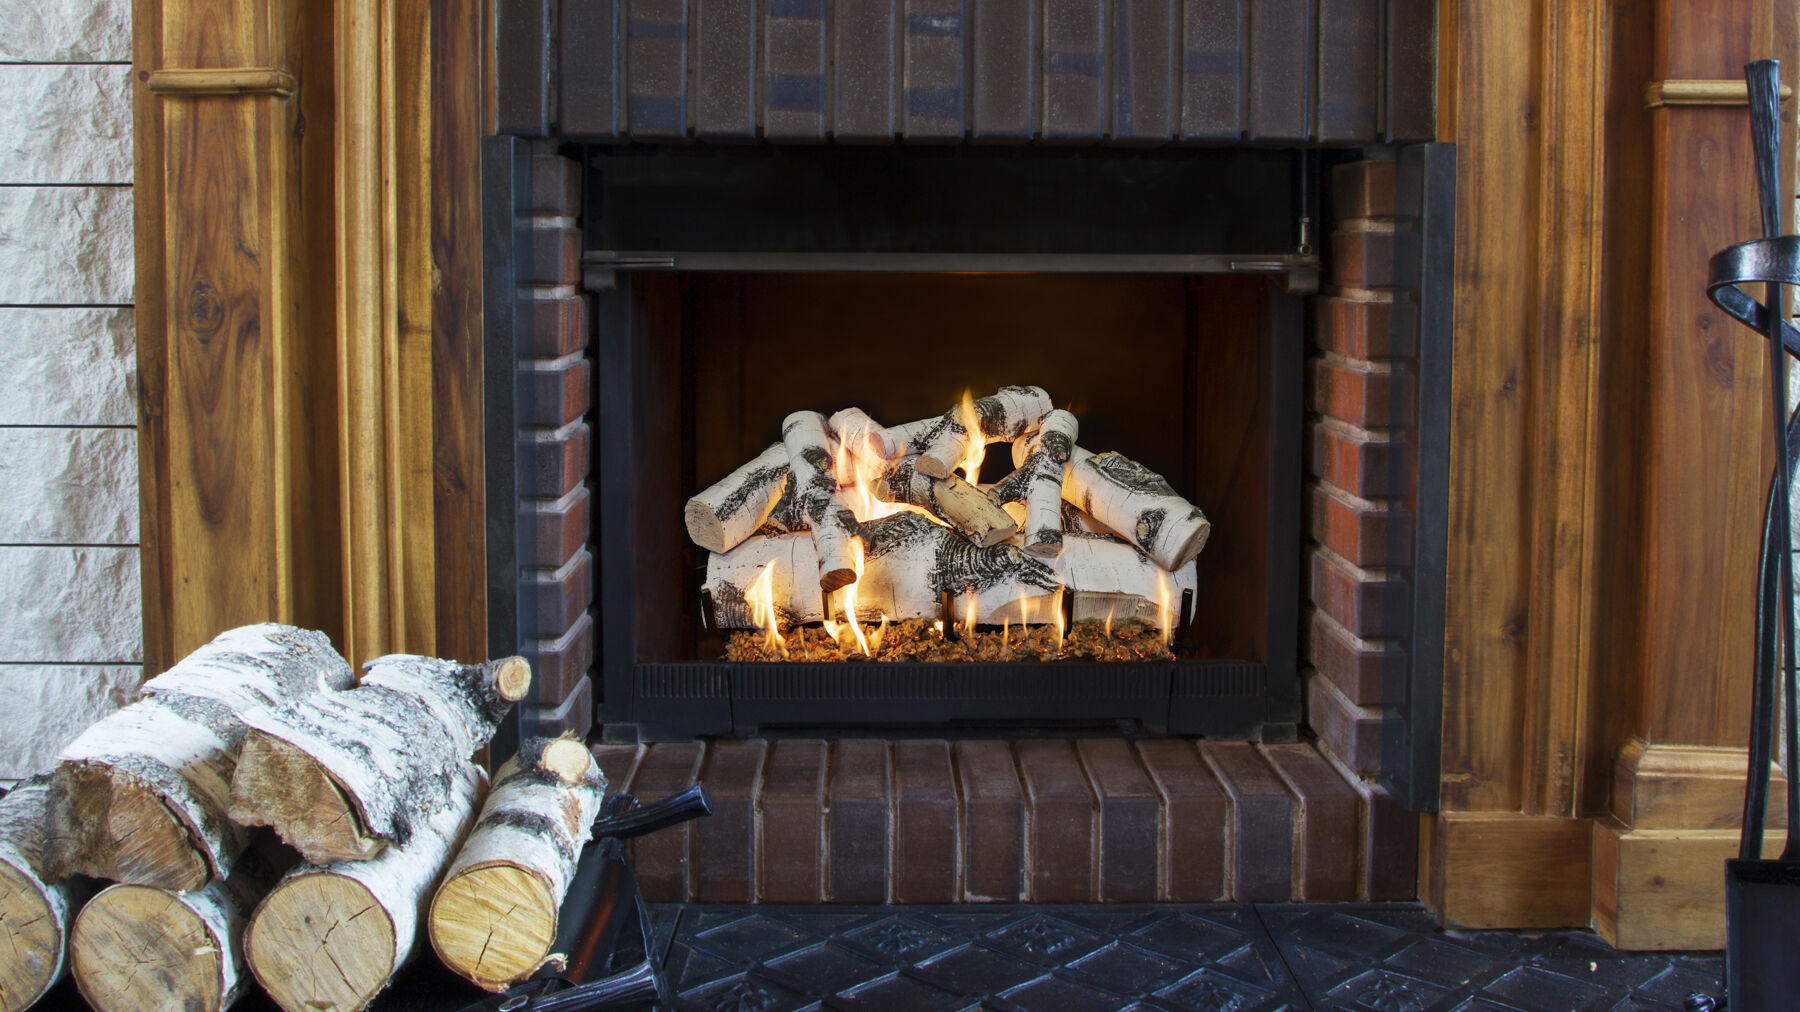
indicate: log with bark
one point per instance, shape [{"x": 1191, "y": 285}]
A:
[
  {"x": 329, "y": 938},
  {"x": 720, "y": 518},
  {"x": 1040, "y": 459},
  {"x": 958, "y": 503},
  {"x": 857, "y": 432},
  {"x": 340, "y": 775},
  {"x": 1138, "y": 503},
  {"x": 141, "y": 796},
  {"x": 944, "y": 442},
  {"x": 833, "y": 525},
  {"x": 34, "y": 912},
  {"x": 495, "y": 917}
]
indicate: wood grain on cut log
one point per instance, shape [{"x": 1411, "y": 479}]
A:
[
  {"x": 1040, "y": 459},
  {"x": 834, "y": 526},
  {"x": 1109, "y": 577},
  {"x": 728, "y": 511},
  {"x": 1138, "y": 503},
  {"x": 958, "y": 503},
  {"x": 341, "y": 774},
  {"x": 329, "y": 938},
  {"x": 1004, "y": 415},
  {"x": 141, "y": 796},
  {"x": 495, "y": 917},
  {"x": 34, "y": 913}
]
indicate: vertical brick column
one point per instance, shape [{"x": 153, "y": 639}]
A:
[{"x": 553, "y": 380}]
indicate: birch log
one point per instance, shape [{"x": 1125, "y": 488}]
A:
[
  {"x": 859, "y": 433},
  {"x": 1005, "y": 414},
  {"x": 34, "y": 913},
  {"x": 1138, "y": 503},
  {"x": 329, "y": 938},
  {"x": 141, "y": 796},
  {"x": 342, "y": 774},
  {"x": 720, "y": 518},
  {"x": 1108, "y": 576},
  {"x": 833, "y": 526},
  {"x": 958, "y": 503},
  {"x": 494, "y": 918},
  {"x": 1041, "y": 458}
]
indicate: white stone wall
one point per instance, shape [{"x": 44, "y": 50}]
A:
[{"x": 71, "y": 629}]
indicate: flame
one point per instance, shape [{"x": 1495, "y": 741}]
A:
[
  {"x": 761, "y": 598},
  {"x": 1164, "y": 611},
  {"x": 969, "y": 611},
  {"x": 938, "y": 625},
  {"x": 859, "y": 469},
  {"x": 977, "y": 446},
  {"x": 1110, "y": 608},
  {"x": 1056, "y": 613},
  {"x": 879, "y": 634},
  {"x": 856, "y": 564}
]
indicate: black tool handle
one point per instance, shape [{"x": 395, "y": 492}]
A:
[{"x": 675, "y": 809}]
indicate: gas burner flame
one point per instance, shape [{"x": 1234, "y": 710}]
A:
[
  {"x": 970, "y": 419},
  {"x": 1164, "y": 609},
  {"x": 761, "y": 598},
  {"x": 1056, "y": 615}
]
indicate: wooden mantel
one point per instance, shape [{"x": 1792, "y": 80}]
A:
[{"x": 309, "y": 327}]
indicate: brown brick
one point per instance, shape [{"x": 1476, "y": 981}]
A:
[
  {"x": 561, "y": 662},
  {"x": 725, "y": 841},
  {"x": 552, "y": 392},
  {"x": 1262, "y": 822},
  {"x": 1363, "y": 327},
  {"x": 1390, "y": 848},
  {"x": 993, "y": 822},
  {"x": 1359, "y": 667},
  {"x": 1368, "y": 397},
  {"x": 1196, "y": 820},
  {"x": 619, "y": 763},
  {"x": 1362, "y": 190},
  {"x": 1061, "y": 823},
  {"x": 1351, "y": 732},
  {"x": 1358, "y": 462},
  {"x": 1327, "y": 830},
  {"x": 551, "y": 531},
  {"x": 661, "y": 858},
  {"x": 925, "y": 823},
  {"x": 552, "y": 600},
  {"x": 1364, "y": 533},
  {"x": 791, "y": 826},
  {"x": 573, "y": 715},
  {"x": 552, "y": 462},
  {"x": 549, "y": 327},
  {"x": 1130, "y": 815},
  {"x": 555, "y": 186},
  {"x": 1367, "y": 605},
  {"x": 857, "y": 822},
  {"x": 1362, "y": 259},
  {"x": 551, "y": 255}
]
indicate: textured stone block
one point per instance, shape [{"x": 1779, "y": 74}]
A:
[
  {"x": 1362, "y": 190},
  {"x": 553, "y": 392},
  {"x": 1196, "y": 825},
  {"x": 70, "y": 605},
  {"x": 791, "y": 827},
  {"x": 1366, "y": 602},
  {"x": 1359, "y": 461},
  {"x": 573, "y": 716},
  {"x": 1359, "y": 667},
  {"x": 725, "y": 842},
  {"x": 662, "y": 857},
  {"x": 551, "y": 531},
  {"x": 1364, "y": 394},
  {"x": 562, "y": 662},
  {"x": 547, "y": 325},
  {"x": 551, "y": 462},
  {"x": 1062, "y": 824},
  {"x": 1351, "y": 732},
  {"x": 1262, "y": 815},
  {"x": 65, "y": 245},
  {"x": 993, "y": 822},
  {"x": 1363, "y": 327},
  {"x": 1390, "y": 848},
  {"x": 619, "y": 763},
  {"x": 555, "y": 186},
  {"x": 926, "y": 859},
  {"x": 66, "y": 31},
  {"x": 1365, "y": 533},
  {"x": 68, "y": 367},
  {"x": 48, "y": 705},
  {"x": 551, "y": 256},
  {"x": 65, "y": 123},
  {"x": 68, "y": 486},
  {"x": 553, "y": 600},
  {"x": 1130, "y": 815},
  {"x": 1363, "y": 258},
  {"x": 1326, "y": 831},
  {"x": 858, "y": 822}
]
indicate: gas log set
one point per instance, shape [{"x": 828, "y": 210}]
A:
[
  {"x": 370, "y": 780},
  {"x": 870, "y": 533}
]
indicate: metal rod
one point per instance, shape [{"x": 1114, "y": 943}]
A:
[{"x": 947, "y": 615}]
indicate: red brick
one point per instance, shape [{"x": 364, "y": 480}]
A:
[
  {"x": 858, "y": 812},
  {"x": 1327, "y": 829},
  {"x": 925, "y": 823},
  {"x": 1130, "y": 815},
  {"x": 1262, "y": 817},
  {"x": 551, "y": 256},
  {"x": 552, "y": 600},
  {"x": 552, "y": 392},
  {"x": 1365, "y": 534},
  {"x": 1062, "y": 826},
  {"x": 1367, "y": 605},
  {"x": 619, "y": 763},
  {"x": 1359, "y": 668},
  {"x": 791, "y": 825},
  {"x": 1196, "y": 823},
  {"x": 1366, "y": 397},
  {"x": 551, "y": 531},
  {"x": 662, "y": 858},
  {"x": 1364, "y": 328},
  {"x": 555, "y": 186},
  {"x": 1359, "y": 462},
  {"x": 993, "y": 822},
  {"x": 725, "y": 841},
  {"x": 1362, "y": 259},
  {"x": 552, "y": 462},
  {"x": 549, "y": 327},
  {"x": 1390, "y": 849},
  {"x": 561, "y": 662},
  {"x": 574, "y": 715},
  {"x": 1362, "y": 190},
  {"x": 1351, "y": 732}
]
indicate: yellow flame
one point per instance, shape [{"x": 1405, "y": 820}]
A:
[
  {"x": 977, "y": 446},
  {"x": 761, "y": 597},
  {"x": 969, "y": 611},
  {"x": 1056, "y": 614},
  {"x": 859, "y": 469},
  {"x": 939, "y": 626},
  {"x": 1110, "y": 608},
  {"x": 879, "y": 634},
  {"x": 1163, "y": 609},
  {"x": 856, "y": 564}
]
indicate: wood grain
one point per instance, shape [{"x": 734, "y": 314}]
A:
[
  {"x": 1492, "y": 870},
  {"x": 1661, "y": 889}
]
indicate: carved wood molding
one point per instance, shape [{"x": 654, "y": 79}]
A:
[
  {"x": 187, "y": 82},
  {"x": 1727, "y": 92}
]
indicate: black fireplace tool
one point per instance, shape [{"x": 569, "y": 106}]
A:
[
  {"x": 1762, "y": 897},
  {"x": 603, "y": 929}
]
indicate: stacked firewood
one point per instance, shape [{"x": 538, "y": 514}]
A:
[
  {"x": 889, "y": 530},
  {"x": 368, "y": 782}
]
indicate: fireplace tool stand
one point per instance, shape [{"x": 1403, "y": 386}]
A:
[{"x": 1762, "y": 897}]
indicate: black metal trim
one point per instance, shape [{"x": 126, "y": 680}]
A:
[
  {"x": 504, "y": 171},
  {"x": 615, "y": 452},
  {"x": 1286, "y": 349}
]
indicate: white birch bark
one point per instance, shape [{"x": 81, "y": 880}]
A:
[
  {"x": 855, "y": 430},
  {"x": 34, "y": 913},
  {"x": 1005, "y": 414},
  {"x": 1041, "y": 459},
  {"x": 971, "y": 511},
  {"x": 1138, "y": 503},
  {"x": 833, "y": 525},
  {"x": 728, "y": 511}
]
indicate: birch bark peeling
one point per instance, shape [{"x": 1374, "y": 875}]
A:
[
  {"x": 1041, "y": 459},
  {"x": 1138, "y": 503},
  {"x": 495, "y": 917},
  {"x": 720, "y": 518},
  {"x": 34, "y": 913},
  {"x": 1004, "y": 415},
  {"x": 963, "y": 506},
  {"x": 387, "y": 749},
  {"x": 141, "y": 797},
  {"x": 833, "y": 526},
  {"x": 329, "y": 938}
]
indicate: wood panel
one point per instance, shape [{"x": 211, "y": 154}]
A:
[{"x": 1507, "y": 871}]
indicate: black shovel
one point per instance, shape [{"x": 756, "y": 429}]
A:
[{"x": 1762, "y": 897}]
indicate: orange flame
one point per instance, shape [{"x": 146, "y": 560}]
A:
[
  {"x": 977, "y": 446},
  {"x": 969, "y": 610},
  {"x": 859, "y": 469},
  {"x": 1056, "y": 614},
  {"x": 1110, "y": 608},
  {"x": 1164, "y": 611},
  {"x": 760, "y": 596},
  {"x": 856, "y": 564}
]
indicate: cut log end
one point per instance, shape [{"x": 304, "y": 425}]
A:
[
  {"x": 836, "y": 579},
  {"x": 321, "y": 943},
  {"x": 30, "y": 940},
  {"x": 108, "y": 825},
  {"x": 139, "y": 948},
  {"x": 512, "y": 678},
  {"x": 934, "y": 467},
  {"x": 704, "y": 526},
  {"x": 280, "y": 786},
  {"x": 568, "y": 758},
  {"x": 493, "y": 924},
  {"x": 1191, "y": 546}
]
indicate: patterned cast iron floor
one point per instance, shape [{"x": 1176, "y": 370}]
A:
[{"x": 1224, "y": 957}]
